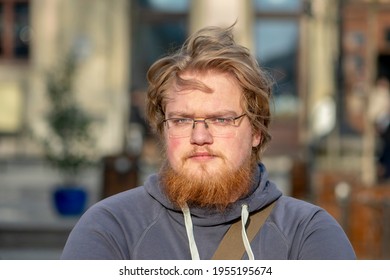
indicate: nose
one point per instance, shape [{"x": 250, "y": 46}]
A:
[{"x": 200, "y": 134}]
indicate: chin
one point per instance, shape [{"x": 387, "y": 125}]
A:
[{"x": 201, "y": 170}]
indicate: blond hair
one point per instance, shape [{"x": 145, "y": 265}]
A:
[{"x": 212, "y": 48}]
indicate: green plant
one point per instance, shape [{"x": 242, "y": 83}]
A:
[{"x": 69, "y": 145}]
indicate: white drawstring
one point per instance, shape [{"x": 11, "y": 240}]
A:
[
  {"x": 190, "y": 233},
  {"x": 191, "y": 238},
  {"x": 244, "y": 220}
]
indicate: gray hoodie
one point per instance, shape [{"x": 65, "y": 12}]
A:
[{"x": 143, "y": 224}]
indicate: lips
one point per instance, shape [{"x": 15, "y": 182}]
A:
[{"x": 201, "y": 155}]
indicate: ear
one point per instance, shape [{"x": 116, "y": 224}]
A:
[{"x": 256, "y": 139}]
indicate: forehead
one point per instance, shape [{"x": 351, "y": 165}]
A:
[{"x": 204, "y": 93}]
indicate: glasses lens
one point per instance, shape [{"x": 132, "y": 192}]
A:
[{"x": 179, "y": 131}]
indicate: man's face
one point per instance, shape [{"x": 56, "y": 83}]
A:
[{"x": 200, "y": 153}]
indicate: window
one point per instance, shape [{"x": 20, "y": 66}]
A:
[
  {"x": 159, "y": 27},
  {"x": 15, "y": 30},
  {"x": 278, "y": 5},
  {"x": 276, "y": 34}
]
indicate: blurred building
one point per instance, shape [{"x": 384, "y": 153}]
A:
[
  {"x": 115, "y": 42},
  {"x": 323, "y": 55}
]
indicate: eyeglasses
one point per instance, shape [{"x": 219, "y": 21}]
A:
[{"x": 217, "y": 126}]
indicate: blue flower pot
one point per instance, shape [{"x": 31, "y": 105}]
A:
[{"x": 70, "y": 200}]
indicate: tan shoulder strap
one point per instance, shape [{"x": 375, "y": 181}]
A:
[{"x": 231, "y": 247}]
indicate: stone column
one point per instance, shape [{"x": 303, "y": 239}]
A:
[{"x": 224, "y": 13}]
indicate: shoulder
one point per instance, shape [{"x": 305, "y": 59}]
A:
[
  {"x": 127, "y": 205},
  {"x": 293, "y": 206},
  {"x": 134, "y": 195},
  {"x": 309, "y": 231},
  {"x": 292, "y": 212},
  {"x": 128, "y": 212},
  {"x": 111, "y": 228}
]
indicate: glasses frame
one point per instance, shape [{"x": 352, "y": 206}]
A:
[{"x": 203, "y": 120}]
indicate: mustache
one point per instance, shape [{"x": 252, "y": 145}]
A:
[{"x": 205, "y": 150}]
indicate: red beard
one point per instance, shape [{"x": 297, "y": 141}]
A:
[{"x": 213, "y": 191}]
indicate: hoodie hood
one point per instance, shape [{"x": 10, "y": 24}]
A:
[{"x": 263, "y": 192}]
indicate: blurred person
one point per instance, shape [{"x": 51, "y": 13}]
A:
[
  {"x": 379, "y": 114},
  {"x": 210, "y": 105}
]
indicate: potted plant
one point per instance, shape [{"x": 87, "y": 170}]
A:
[{"x": 69, "y": 145}]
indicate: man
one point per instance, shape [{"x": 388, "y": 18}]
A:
[{"x": 209, "y": 103}]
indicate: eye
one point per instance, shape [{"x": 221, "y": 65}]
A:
[
  {"x": 221, "y": 121},
  {"x": 180, "y": 121}
]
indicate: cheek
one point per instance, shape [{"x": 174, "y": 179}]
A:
[
  {"x": 243, "y": 146},
  {"x": 173, "y": 149}
]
